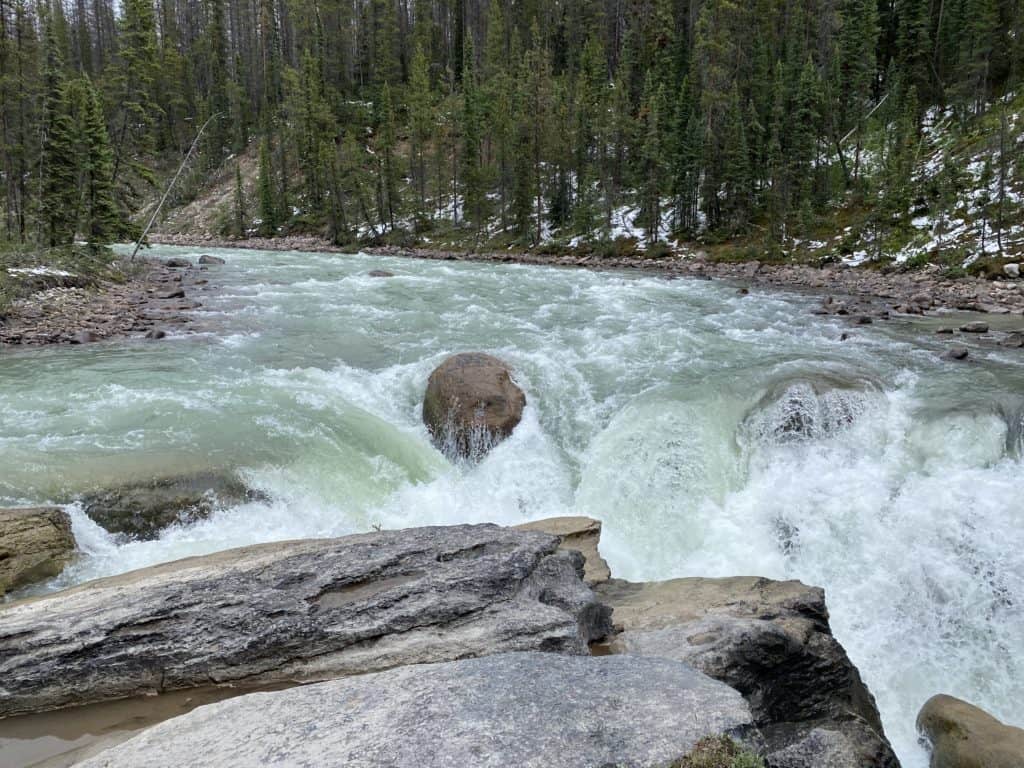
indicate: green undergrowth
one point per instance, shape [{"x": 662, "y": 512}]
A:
[{"x": 719, "y": 752}]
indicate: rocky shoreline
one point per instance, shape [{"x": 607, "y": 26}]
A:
[
  {"x": 154, "y": 300},
  {"x": 867, "y": 291}
]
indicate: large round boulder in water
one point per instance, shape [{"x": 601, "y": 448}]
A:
[{"x": 471, "y": 404}]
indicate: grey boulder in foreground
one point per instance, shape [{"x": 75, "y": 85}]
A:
[
  {"x": 518, "y": 709},
  {"x": 305, "y": 610},
  {"x": 771, "y": 641}
]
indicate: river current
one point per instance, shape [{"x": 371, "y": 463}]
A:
[{"x": 714, "y": 434}]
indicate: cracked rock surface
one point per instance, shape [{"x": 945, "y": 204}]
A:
[{"x": 305, "y": 610}]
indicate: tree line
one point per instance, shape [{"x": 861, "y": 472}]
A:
[{"x": 376, "y": 118}]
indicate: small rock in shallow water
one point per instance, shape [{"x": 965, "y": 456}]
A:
[
  {"x": 156, "y": 333},
  {"x": 178, "y": 293},
  {"x": 380, "y": 273},
  {"x": 84, "y": 337},
  {"x": 1015, "y": 340},
  {"x": 178, "y": 263},
  {"x": 863, "y": 320},
  {"x": 957, "y": 353},
  {"x": 207, "y": 259},
  {"x": 944, "y": 331},
  {"x": 975, "y": 327}
]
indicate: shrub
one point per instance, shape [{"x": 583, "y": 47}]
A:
[{"x": 720, "y": 752}]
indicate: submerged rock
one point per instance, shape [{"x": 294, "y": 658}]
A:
[
  {"x": 517, "y": 709},
  {"x": 804, "y": 409},
  {"x": 380, "y": 273},
  {"x": 305, "y": 610},
  {"x": 142, "y": 510},
  {"x": 207, "y": 259},
  {"x": 471, "y": 404},
  {"x": 974, "y": 327},
  {"x": 964, "y": 736},
  {"x": 35, "y": 544},
  {"x": 178, "y": 263},
  {"x": 771, "y": 641}
]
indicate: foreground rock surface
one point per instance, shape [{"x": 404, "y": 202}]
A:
[
  {"x": 302, "y": 610},
  {"x": 35, "y": 543},
  {"x": 519, "y": 709},
  {"x": 471, "y": 404},
  {"x": 771, "y": 641},
  {"x": 965, "y": 736},
  {"x": 579, "y": 534},
  {"x": 144, "y": 509}
]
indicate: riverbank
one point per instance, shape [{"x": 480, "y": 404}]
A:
[
  {"x": 866, "y": 291},
  {"x": 154, "y": 299}
]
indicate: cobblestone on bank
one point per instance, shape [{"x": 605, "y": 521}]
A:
[{"x": 154, "y": 297}]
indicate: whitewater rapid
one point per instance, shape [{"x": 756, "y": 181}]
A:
[{"x": 714, "y": 434}]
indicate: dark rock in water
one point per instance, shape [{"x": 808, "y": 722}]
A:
[
  {"x": 803, "y": 409},
  {"x": 957, "y": 353},
  {"x": 178, "y": 263},
  {"x": 945, "y": 331},
  {"x": 299, "y": 611},
  {"x": 144, "y": 509},
  {"x": 177, "y": 293},
  {"x": 85, "y": 337},
  {"x": 207, "y": 259},
  {"x": 156, "y": 333},
  {"x": 35, "y": 544},
  {"x": 1014, "y": 340},
  {"x": 772, "y": 642},
  {"x": 844, "y": 337},
  {"x": 965, "y": 736},
  {"x": 743, "y": 292},
  {"x": 380, "y": 273},
  {"x": 513, "y": 709},
  {"x": 471, "y": 404},
  {"x": 863, "y": 320},
  {"x": 975, "y": 327}
]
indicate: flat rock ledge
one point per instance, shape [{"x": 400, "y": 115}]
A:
[
  {"x": 298, "y": 611},
  {"x": 35, "y": 543},
  {"x": 771, "y": 641},
  {"x": 517, "y": 709}
]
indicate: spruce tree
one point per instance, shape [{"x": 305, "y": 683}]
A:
[
  {"x": 267, "y": 202},
  {"x": 102, "y": 221}
]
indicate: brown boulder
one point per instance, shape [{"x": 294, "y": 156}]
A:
[
  {"x": 964, "y": 736},
  {"x": 35, "y": 543},
  {"x": 471, "y": 404}
]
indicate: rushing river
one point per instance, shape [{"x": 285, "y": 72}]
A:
[{"x": 713, "y": 434}]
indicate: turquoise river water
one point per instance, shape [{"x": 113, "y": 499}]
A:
[{"x": 713, "y": 434}]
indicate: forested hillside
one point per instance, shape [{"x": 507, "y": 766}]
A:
[{"x": 871, "y": 129}]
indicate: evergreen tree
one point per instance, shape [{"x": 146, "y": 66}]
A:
[
  {"x": 267, "y": 203},
  {"x": 103, "y": 222}
]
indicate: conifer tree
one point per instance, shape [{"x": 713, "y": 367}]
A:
[
  {"x": 103, "y": 222},
  {"x": 267, "y": 202}
]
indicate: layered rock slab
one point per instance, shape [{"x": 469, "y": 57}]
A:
[
  {"x": 771, "y": 641},
  {"x": 35, "y": 543},
  {"x": 518, "y": 709},
  {"x": 305, "y": 610}
]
